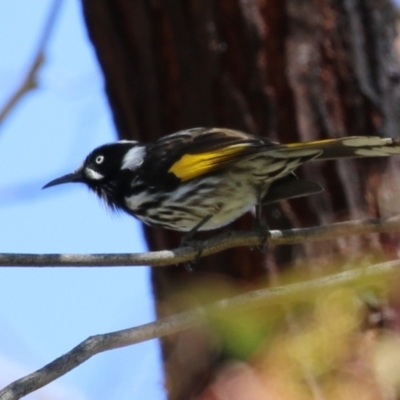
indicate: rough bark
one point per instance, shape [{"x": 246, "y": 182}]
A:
[{"x": 292, "y": 70}]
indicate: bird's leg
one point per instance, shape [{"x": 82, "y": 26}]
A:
[
  {"x": 187, "y": 240},
  {"x": 260, "y": 226}
]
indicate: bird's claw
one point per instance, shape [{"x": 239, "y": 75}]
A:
[
  {"x": 194, "y": 244},
  {"x": 262, "y": 229}
]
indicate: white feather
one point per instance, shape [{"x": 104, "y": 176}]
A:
[
  {"x": 366, "y": 141},
  {"x": 92, "y": 174},
  {"x": 133, "y": 158}
]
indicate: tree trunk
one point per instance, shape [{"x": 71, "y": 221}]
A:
[{"x": 291, "y": 70}]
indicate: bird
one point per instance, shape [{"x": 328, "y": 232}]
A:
[{"x": 201, "y": 179}]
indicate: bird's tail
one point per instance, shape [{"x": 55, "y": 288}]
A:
[{"x": 347, "y": 147}]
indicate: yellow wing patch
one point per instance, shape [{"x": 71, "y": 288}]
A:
[
  {"x": 304, "y": 144},
  {"x": 191, "y": 166}
]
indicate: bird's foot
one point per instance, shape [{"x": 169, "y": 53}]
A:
[
  {"x": 261, "y": 228},
  {"x": 187, "y": 241},
  {"x": 197, "y": 245}
]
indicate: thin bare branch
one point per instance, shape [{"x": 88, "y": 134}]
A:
[
  {"x": 30, "y": 81},
  {"x": 176, "y": 323},
  {"x": 219, "y": 243}
]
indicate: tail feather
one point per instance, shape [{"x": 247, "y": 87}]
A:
[
  {"x": 347, "y": 147},
  {"x": 290, "y": 187}
]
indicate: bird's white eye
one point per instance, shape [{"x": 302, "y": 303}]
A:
[{"x": 99, "y": 159}]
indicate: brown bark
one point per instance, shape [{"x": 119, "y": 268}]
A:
[{"x": 292, "y": 70}]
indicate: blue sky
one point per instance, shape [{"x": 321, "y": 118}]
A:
[{"x": 45, "y": 312}]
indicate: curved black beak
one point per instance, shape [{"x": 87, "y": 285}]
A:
[{"x": 76, "y": 176}]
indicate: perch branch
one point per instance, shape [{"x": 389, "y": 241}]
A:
[{"x": 218, "y": 243}]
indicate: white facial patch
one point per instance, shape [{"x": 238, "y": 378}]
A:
[
  {"x": 94, "y": 175},
  {"x": 133, "y": 158}
]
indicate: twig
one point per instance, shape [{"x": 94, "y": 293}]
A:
[
  {"x": 221, "y": 242},
  {"x": 30, "y": 80},
  {"x": 179, "y": 322}
]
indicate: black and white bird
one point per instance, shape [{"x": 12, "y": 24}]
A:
[{"x": 202, "y": 179}]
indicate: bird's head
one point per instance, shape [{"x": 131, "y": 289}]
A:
[{"x": 103, "y": 167}]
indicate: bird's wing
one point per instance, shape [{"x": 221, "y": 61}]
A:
[{"x": 192, "y": 153}]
